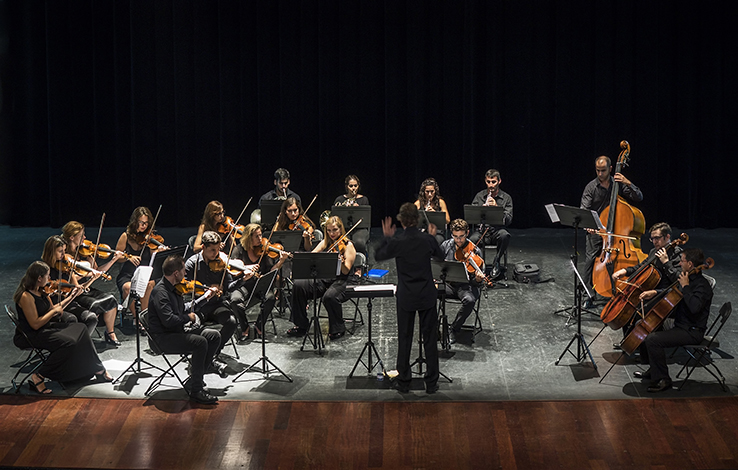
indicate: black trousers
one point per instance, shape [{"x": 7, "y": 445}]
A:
[
  {"x": 429, "y": 333},
  {"x": 333, "y": 296},
  {"x": 239, "y": 300},
  {"x": 468, "y": 295},
  {"x": 593, "y": 249},
  {"x": 499, "y": 237},
  {"x": 203, "y": 344},
  {"x": 656, "y": 343},
  {"x": 221, "y": 313}
]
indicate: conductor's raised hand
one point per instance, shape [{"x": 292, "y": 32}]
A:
[
  {"x": 432, "y": 229},
  {"x": 388, "y": 228}
]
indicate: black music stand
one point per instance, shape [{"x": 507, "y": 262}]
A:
[
  {"x": 160, "y": 256},
  {"x": 447, "y": 271},
  {"x": 582, "y": 347},
  {"x": 259, "y": 294},
  {"x": 314, "y": 266},
  {"x": 576, "y": 218},
  {"x": 270, "y": 209},
  {"x": 369, "y": 346},
  {"x": 436, "y": 218},
  {"x": 351, "y": 214},
  {"x": 291, "y": 240},
  {"x": 493, "y": 216}
]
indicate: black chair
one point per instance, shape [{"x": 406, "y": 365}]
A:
[
  {"x": 36, "y": 356},
  {"x": 170, "y": 371},
  {"x": 700, "y": 354},
  {"x": 476, "y": 327}
]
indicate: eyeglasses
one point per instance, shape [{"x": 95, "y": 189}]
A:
[{"x": 653, "y": 239}]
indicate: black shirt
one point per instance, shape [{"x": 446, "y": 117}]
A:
[
  {"x": 272, "y": 196},
  {"x": 361, "y": 200},
  {"x": 502, "y": 199},
  {"x": 167, "y": 312},
  {"x": 595, "y": 197}
]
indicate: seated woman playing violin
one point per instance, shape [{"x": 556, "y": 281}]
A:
[
  {"x": 254, "y": 250},
  {"x": 332, "y": 291},
  {"x": 209, "y": 268},
  {"x": 73, "y": 356},
  {"x": 214, "y": 220},
  {"x": 459, "y": 248},
  {"x": 133, "y": 242},
  {"x": 292, "y": 217},
  {"x": 85, "y": 270}
]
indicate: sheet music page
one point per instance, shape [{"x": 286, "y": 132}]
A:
[
  {"x": 552, "y": 213},
  {"x": 599, "y": 222},
  {"x": 141, "y": 279}
]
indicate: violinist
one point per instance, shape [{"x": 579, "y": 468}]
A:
[
  {"x": 251, "y": 250},
  {"x": 281, "y": 189},
  {"x": 293, "y": 217},
  {"x": 332, "y": 290},
  {"x": 212, "y": 220},
  {"x": 200, "y": 267},
  {"x": 467, "y": 292},
  {"x": 72, "y": 354},
  {"x": 666, "y": 260},
  {"x": 100, "y": 303},
  {"x": 429, "y": 199},
  {"x": 494, "y": 196},
  {"x": 596, "y": 197},
  {"x": 132, "y": 242},
  {"x": 360, "y": 236},
  {"x": 690, "y": 320},
  {"x": 168, "y": 314}
]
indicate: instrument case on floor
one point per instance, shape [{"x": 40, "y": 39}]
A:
[{"x": 525, "y": 273}]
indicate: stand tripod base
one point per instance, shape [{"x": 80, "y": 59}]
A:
[
  {"x": 582, "y": 350},
  {"x": 369, "y": 347},
  {"x": 135, "y": 368},
  {"x": 267, "y": 367}
]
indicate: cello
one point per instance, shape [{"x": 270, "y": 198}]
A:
[
  {"x": 658, "y": 313},
  {"x": 620, "y": 309},
  {"x": 621, "y": 219}
]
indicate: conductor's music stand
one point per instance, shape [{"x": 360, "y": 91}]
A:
[
  {"x": 436, "y": 218},
  {"x": 351, "y": 214},
  {"x": 582, "y": 348},
  {"x": 270, "y": 209},
  {"x": 314, "y": 266},
  {"x": 576, "y": 218}
]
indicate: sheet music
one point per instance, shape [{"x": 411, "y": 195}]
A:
[
  {"x": 376, "y": 288},
  {"x": 552, "y": 213},
  {"x": 141, "y": 280}
]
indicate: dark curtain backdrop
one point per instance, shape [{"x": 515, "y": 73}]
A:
[{"x": 115, "y": 104}]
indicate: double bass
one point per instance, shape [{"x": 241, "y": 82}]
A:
[{"x": 620, "y": 218}]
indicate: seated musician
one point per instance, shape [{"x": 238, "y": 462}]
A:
[
  {"x": 429, "y": 199},
  {"x": 72, "y": 354},
  {"x": 212, "y": 220},
  {"x": 250, "y": 250},
  {"x": 281, "y": 189},
  {"x": 132, "y": 242},
  {"x": 690, "y": 320},
  {"x": 359, "y": 236},
  {"x": 291, "y": 216},
  {"x": 467, "y": 292},
  {"x": 494, "y": 196},
  {"x": 218, "y": 309},
  {"x": 168, "y": 316},
  {"x": 332, "y": 291},
  {"x": 97, "y": 301},
  {"x": 665, "y": 260}
]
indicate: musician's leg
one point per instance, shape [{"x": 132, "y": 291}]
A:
[
  {"x": 405, "y": 326},
  {"x": 658, "y": 341},
  {"x": 301, "y": 295},
  {"x": 227, "y": 319},
  {"x": 429, "y": 329},
  {"x": 468, "y": 296},
  {"x": 501, "y": 238},
  {"x": 593, "y": 249},
  {"x": 332, "y": 299}
]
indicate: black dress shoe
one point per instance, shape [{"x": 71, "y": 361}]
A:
[
  {"x": 109, "y": 339},
  {"x": 660, "y": 386},
  {"x": 642, "y": 374},
  {"x": 400, "y": 387},
  {"x": 296, "y": 331},
  {"x": 430, "y": 390},
  {"x": 335, "y": 336},
  {"x": 189, "y": 386},
  {"x": 452, "y": 337},
  {"x": 218, "y": 367},
  {"x": 495, "y": 271},
  {"x": 204, "y": 398},
  {"x": 616, "y": 346}
]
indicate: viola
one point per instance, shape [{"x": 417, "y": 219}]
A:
[
  {"x": 234, "y": 266},
  {"x": 302, "y": 223},
  {"x": 58, "y": 286},
  {"x": 103, "y": 251},
  {"x": 273, "y": 250},
  {"x": 472, "y": 261},
  {"x": 152, "y": 240},
  {"x": 188, "y": 287},
  {"x": 228, "y": 226},
  {"x": 81, "y": 268}
]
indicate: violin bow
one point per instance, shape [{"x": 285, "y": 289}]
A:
[
  {"x": 344, "y": 235},
  {"x": 99, "y": 232},
  {"x": 233, "y": 229},
  {"x": 310, "y": 205}
]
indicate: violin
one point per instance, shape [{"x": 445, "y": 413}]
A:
[
  {"x": 302, "y": 223},
  {"x": 472, "y": 261},
  {"x": 58, "y": 286},
  {"x": 188, "y": 287},
  {"x": 103, "y": 251},
  {"x": 228, "y": 226},
  {"x": 152, "y": 240},
  {"x": 273, "y": 250},
  {"x": 81, "y": 268},
  {"x": 234, "y": 266},
  {"x": 339, "y": 247}
]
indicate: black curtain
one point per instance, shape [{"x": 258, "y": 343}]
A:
[{"x": 116, "y": 104}]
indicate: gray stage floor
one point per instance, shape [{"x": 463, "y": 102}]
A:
[{"x": 513, "y": 358}]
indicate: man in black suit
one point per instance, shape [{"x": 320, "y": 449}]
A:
[{"x": 416, "y": 291}]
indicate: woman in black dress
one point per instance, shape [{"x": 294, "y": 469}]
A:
[{"x": 72, "y": 354}]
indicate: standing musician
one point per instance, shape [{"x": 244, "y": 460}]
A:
[
  {"x": 494, "y": 196},
  {"x": 667, "y": 262},
  {"x": 92, "y": 299},
  {"x": 360, "y": 236},
  {"x": 217, "y": 309},
  {"x": 212, "y": 220},
  {"x": 596, "y": 197},
  {"x": 331, "y": 290},
  {"x": 467, "y": 292},
  {"x": 132, "y": 242},
  {"x": 416, "y": 291},
  {"x": 252, "y": 252},
  {"x": 168, "y": 315},
  {"x": 281, "y": 189},
  {"x": 429, "y": 199},
  {"x": 72, "y": 354},
  {"x": 690, "y": 320},
  {"x": 290, "y": 219}
]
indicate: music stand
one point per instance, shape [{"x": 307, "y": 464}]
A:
[
  {"x": 291, "y": 240},
  {"x": 351, "y": 214},
  {"x": 576, "y": 218},
  {"x": 436, "y": 218},
  {"x": 159, "y": 257},
  {"x": 582, "y": 348},
  {"x": 369, "y": 346},
  {"x": 484, "y": 215},
  {"x": 270, "y": 209},
  {"x": 447, "y": 271},
  {"x": 314, "y": 266}
]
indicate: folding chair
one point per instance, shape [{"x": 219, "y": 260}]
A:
[
  {"x": 476, "y": 327},
  {"x": 170, "y": 371},
  {"x": 700, "y": 354},
  {"x": 358, "y": 317},
  {"x": 23, "y": 343}
]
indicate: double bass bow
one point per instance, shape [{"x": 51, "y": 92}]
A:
[{"x": 622, "y": 221}]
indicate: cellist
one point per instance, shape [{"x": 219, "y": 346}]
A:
[
  {"x": 690, "y": 320},
  {"x": 596, "y": 197},
  {"x": 666, "y": 259}
]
